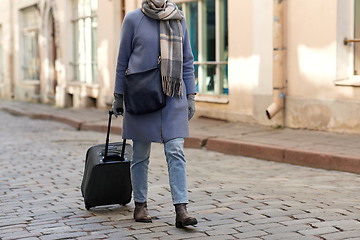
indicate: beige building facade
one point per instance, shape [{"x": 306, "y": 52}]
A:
[{"x": 274, "y": 62}]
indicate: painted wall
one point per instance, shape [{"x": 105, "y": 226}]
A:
[
  {"x": 109, "y": 15},
  {"x": 131, "y": 5},
  {"x": 317, "y": 58},
  {"x": 312, "y": 48},
  {"x": 5, "y": 86}
]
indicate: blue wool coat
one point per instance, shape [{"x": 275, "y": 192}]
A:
[{"x": 138, "y": 51}]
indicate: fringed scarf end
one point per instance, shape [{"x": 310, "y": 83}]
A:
[{"x": 172, "y": 87}]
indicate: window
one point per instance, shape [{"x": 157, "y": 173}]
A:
[
  {"x": 208, "y": 31},
  {"x": 30, "y": 28},
  {"x": 348, "y": 46},
  {"x": 84, "y": 20}
]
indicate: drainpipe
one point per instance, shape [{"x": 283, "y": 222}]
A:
[
  {"x": 123, "y": 11},
  {"x": 279, "y": 60}
]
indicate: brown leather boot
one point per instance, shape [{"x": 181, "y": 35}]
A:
[
  {"x": 141, "y": 213},
  {"x": 183, "y": 218}
]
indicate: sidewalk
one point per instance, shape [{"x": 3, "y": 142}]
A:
[{"x": 330, "y": 151}]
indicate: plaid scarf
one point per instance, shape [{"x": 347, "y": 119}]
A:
[{"x": 171, "y": 44}]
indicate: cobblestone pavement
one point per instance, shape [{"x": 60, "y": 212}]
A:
[{"x": 233, "y": 197}]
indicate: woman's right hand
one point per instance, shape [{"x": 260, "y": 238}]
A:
[{"x": 118, "y": 104}]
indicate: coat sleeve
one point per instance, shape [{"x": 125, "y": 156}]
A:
[
  {"x": 125, "y": 50},
  {"x": 188, "y": 62}
]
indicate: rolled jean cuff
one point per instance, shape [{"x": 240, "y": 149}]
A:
[{"x": 180, "y": 202}]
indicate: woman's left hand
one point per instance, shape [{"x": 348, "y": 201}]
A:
[{"x": 191, "y": 105}]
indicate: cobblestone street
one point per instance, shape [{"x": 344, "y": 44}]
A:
[{"x": 233, "y": 197}]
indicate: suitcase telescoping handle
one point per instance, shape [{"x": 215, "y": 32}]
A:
[{"x": 111, "y": 112}]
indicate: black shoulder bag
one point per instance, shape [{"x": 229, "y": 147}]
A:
[{"x": 143, "y": 91}]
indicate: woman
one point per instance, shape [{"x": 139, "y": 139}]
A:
[{"x": 138, "y": 51}]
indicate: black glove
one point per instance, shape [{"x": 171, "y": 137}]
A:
[
  {"x": 191, "y": 105},
  {"x": 118, "y": 104}
]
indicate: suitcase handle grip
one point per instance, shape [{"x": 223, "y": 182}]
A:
[
  {"x": 118, "y": 109},
  {"x": 111, "y": 112}
]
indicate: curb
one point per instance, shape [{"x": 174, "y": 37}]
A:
[
  {"x": 274, "y": 153},
  {"x": 67, "y": 120},
  {"x": 299, "y": 157},
  {"x": 246, "y": 149},
  {"x": 197, "y": 142}
]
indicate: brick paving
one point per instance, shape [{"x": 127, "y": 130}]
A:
[
  {"x": 326, "y": 150},
  {"x": 233, "y": 197}
]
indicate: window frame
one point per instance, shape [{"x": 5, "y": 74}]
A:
[
  {"x": 203, "y": 63},
  {"x": 34, "y": 54},
  {"x": 90, "y": 65},
  {"x": 346, "y": 57}
]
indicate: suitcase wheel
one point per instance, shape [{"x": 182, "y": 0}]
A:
[
  {"x": 123, "y": 204},
  {"x": 87, "y": 206}
]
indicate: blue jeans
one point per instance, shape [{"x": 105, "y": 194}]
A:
[{"x": 175, "y": 158}]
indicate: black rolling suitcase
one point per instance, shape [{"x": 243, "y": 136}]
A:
[{"x": 106, "y": 178}]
